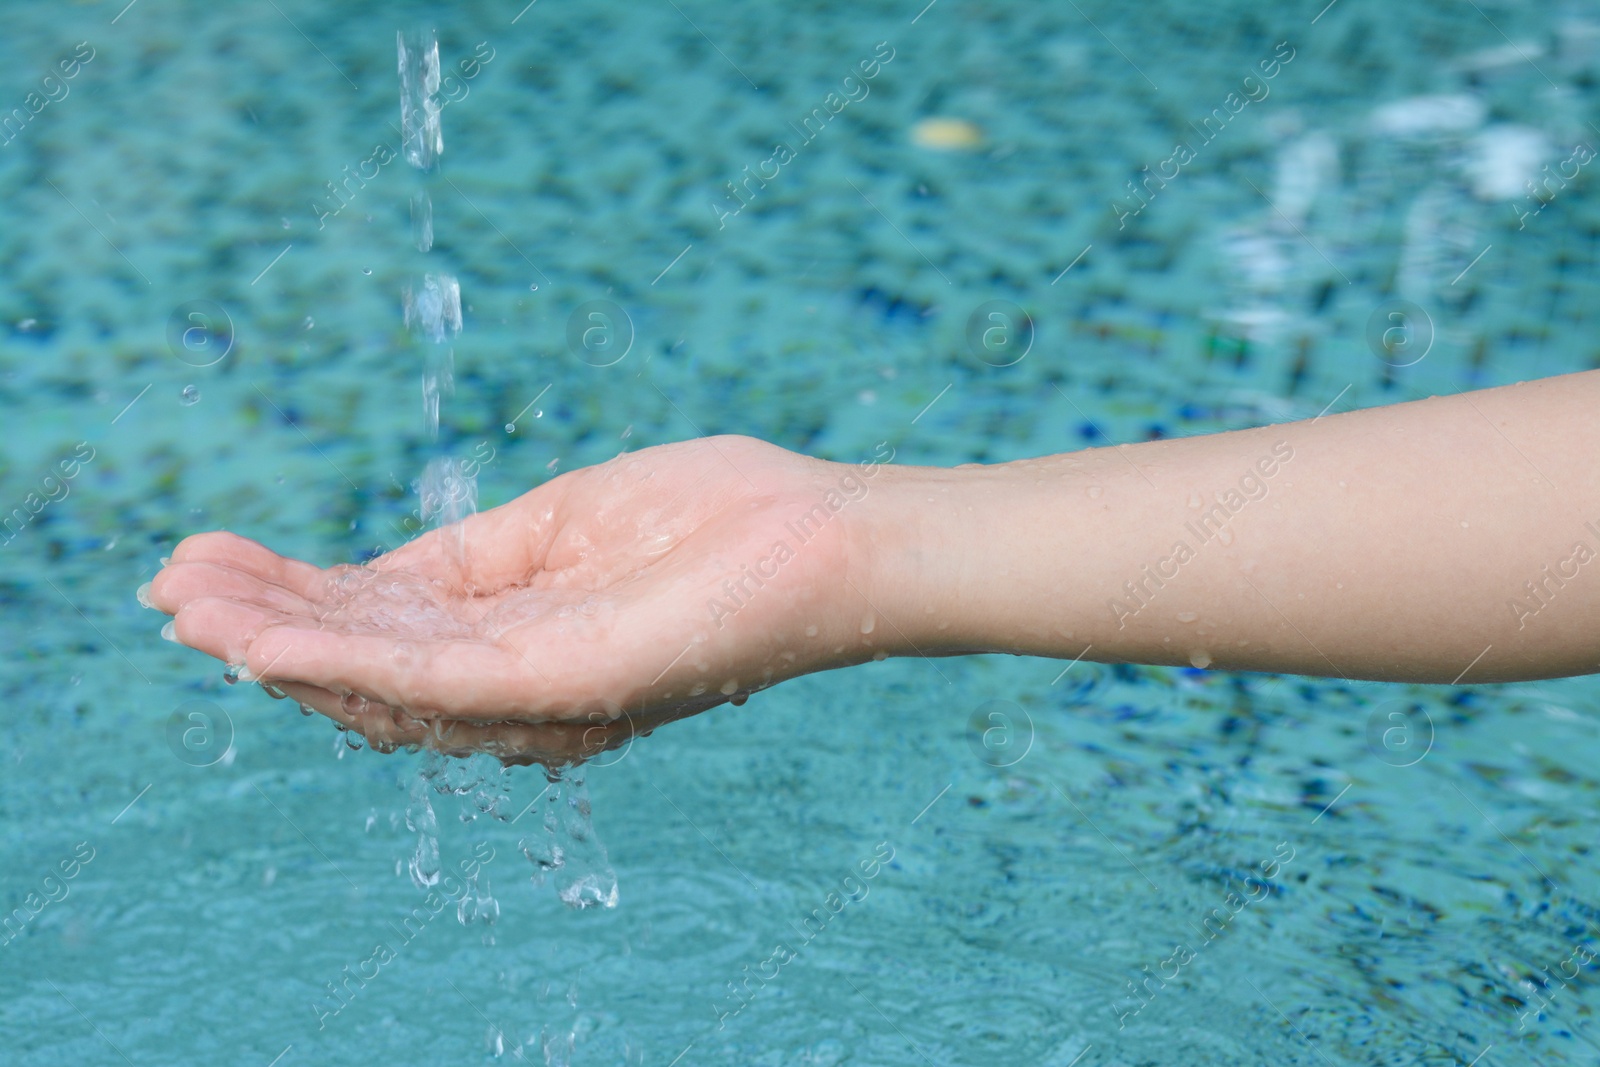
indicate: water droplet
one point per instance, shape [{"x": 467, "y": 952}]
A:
[
  {"x": 738, "y": 699},
  {"x": 538, "y": 413},
  {"x": 189, "y": 396},
  {"x": 310, "y": 322},
  {"x": 880, "y": 655},
  {"x": 1194, "y": 500},
  {"x": 1200, "y": 658},
  {"x": 273, "y": 691},
  {"x": 366, "y": 270},
  {"x": 534, "y": 288},
  {"x": 1225, "y": 536},
  {"x": 1187, "y": 616},
  {"x": 230, "y": 672},
  {"x": 551, "y": 466},
  {"x": 868, "y": 624},
  {"x": 811, "y": 631},
  {"x": 304, "y": 710},
  {"x": 401, "y": 653},
  {"x": 285, "y": 223},
  {"x": 511, "y": 427},
  {"x": 730, "y": 687},
  {"x": 169, "y": 631},
  {"x": 142, "y": 595},
  {"x": 1095, "y": 491}
]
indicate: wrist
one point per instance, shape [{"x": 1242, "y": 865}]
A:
[{"x": 917, "y": 557}]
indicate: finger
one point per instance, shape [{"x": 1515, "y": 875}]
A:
[
  {"x": 376, "y": 722},
  {"x": 179, "y": 583},
  {"x": 242, "y": 554},
  {"x": 433, "y": 679},
  {"x": 226, "y": 629},
  {"x": 552, "y": 744},
  {"x": 500, "y": 547}
]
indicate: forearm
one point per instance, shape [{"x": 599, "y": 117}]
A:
[{"x": 1391, "y": 543}]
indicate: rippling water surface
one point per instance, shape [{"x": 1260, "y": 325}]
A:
[{"x": 207, "y": 231}]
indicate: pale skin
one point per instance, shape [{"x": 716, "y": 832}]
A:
[{"x": 1392, "y": 543}]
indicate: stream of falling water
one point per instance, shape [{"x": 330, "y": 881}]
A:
[{"x": 559, "y": 838}]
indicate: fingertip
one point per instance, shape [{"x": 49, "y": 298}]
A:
[
  {"x": 158, "y": 592},
  {"x": 204, "y": 546}
]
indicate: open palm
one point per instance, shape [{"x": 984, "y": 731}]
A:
[{"x": 654, "y": 585}]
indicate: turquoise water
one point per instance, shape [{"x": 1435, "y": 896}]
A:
[{"x": 1418, "y": 859}]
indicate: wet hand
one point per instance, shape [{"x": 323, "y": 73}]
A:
[{"x": 655, "y": 585}]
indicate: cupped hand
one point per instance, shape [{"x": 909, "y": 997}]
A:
[{"x": 655, "y": 585}]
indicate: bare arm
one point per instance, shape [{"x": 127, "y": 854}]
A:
[
  {"x": 1454, "y": 538},
  {"x": 1450, "y": 540}
]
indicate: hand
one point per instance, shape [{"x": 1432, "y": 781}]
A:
[{"x": 655, "y": 585}]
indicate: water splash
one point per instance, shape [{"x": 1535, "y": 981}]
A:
[
  {"x": 433, "y": 311},
  {"x": 562, "y": 844},
  {"x": 566, "y": 848},
  {"x": 420, "y": 129}
]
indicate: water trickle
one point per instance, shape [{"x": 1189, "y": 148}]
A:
[
  {"x": 422, "y": 220},
  {"x": 421, "y": 820},
  {"x": 433, "y": 308},
  {"x": 449, "y": 495},
  {"x": 420, "y": 130},
  {"x": 567, "y": 850}
]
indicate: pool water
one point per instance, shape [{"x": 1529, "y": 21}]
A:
[{"x": 1030, "y": 228}]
